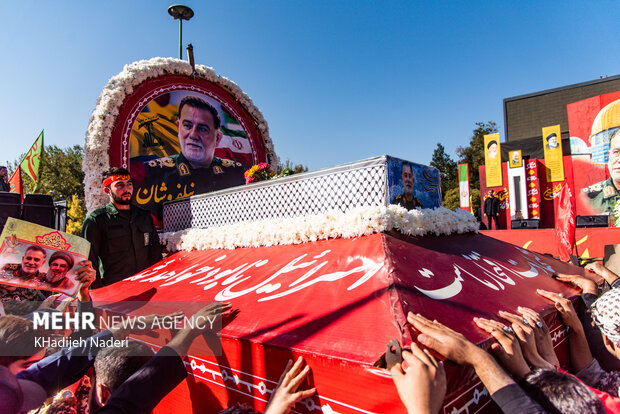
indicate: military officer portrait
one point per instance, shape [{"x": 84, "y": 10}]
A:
[
  {"x": 195, "y": 170},
  {"x": 28, "y": 270},
  {"x": 407, "y": 199},
  {"x": 603, "y": 195}
]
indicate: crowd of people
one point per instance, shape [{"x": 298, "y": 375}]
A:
[{"x": 520, "y": 370}]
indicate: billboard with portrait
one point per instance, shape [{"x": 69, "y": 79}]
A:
[
  {"x": 593, "y": 124},
  {"x": 38, "y": 257},
  {"x": 135, "y": 125},
  {"x": 412, "y": 185}
]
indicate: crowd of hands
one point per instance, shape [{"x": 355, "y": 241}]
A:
[{"x": 522, "y": 342}]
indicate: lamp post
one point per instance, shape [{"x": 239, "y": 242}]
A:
[{"x": 180, "y": 12}]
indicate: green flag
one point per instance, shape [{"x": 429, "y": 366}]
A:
[{"x": 31, "y": 164}]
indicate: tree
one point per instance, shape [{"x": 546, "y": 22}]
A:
[
  {"x": 447, "y": 169},
  {"x": 61, "y": 176},
  {"x": 451, "y": 199},
  {"x": 295, "y": 168},
  {"x": 474, "y": 153}
]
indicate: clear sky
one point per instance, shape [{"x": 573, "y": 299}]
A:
[{"x": 337, "y": 81}]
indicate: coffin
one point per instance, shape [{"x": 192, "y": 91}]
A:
[{"x": 338, "y": 303}]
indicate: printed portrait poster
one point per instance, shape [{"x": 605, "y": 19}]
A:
[
  {"x": 515, "y": 159},
  {"x": 493, "y": 160},
  {"x": 592, "y": 123},
  {"x": 554, "y": 162},
  {"x": 163, "y": 170},
  {"x": 41, "y": 258},
  {"x": 412, "y": 185}
]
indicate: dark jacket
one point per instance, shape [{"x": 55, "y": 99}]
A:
[
  {"x": 491, "y": 206},
  {"x": 120, "y": 247}
]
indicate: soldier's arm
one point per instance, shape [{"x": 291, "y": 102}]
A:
[{"x": 92, "y": 233}]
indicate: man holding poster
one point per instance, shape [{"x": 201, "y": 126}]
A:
[{"x": 603, "y": 195}]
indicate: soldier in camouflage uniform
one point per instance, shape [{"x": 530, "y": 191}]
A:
[
  {"x": 603, "y": 195},
  {"x": 33, "y": 259},
  {"x": 195, "y": 170},
  {"x": 407, "y": 199}
]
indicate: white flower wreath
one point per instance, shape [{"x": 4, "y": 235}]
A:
[
  {"x": 103, "y": 118},
  {"x": 357, "y": 222}
]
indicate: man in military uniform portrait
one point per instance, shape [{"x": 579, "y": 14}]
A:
[
  {"x": 195, "y": 170},
  {"x": 407, "y": 199},
  {"x": 603, "y": 195},
  {"x": 123, "y": 239},
  {"x": 28, "y": 269}
]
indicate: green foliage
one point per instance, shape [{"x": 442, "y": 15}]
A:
[
  {"x": 451, "y": 199},
  {"x": 76, "y": 214},
  {"x": 473, "y": 154},
  {"x": 288, "y": 165},
  {"x": 447, "y": 169}
]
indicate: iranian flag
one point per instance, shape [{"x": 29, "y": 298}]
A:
[
  {"x": 31, "y": 164},
  {"x": 235, "y": 144},
  {"x": 464, "y": 197}
]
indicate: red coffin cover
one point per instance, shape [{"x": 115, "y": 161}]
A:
[{"x": 338, "y": 303}]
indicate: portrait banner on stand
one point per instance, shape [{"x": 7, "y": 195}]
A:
[
  {"x": 515, "y": 159},
  {"x": 554, "y": 163},
  {"x": 464, "y": 187},
  {"x": 493, "y": 160}
]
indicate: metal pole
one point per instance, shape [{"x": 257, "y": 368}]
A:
[{"x": 180, "y": 39}]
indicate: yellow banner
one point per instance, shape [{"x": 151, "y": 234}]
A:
[
  {"x": 554, "y": 163},
  {"x": 492, "y": 160}
]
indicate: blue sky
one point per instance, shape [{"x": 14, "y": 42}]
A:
[{"x": 337, "y": 81}]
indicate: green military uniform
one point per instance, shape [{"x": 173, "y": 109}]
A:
[
  {"x": 409, "y": 205},
  {"x": 602, "y": 195},
  {"x": 122, "y": 242},
  {"x": 15, "y": 270},
  {"x": 171, "y": 178}
]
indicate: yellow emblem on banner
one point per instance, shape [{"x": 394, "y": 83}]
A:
[
  {"x": 493, "y": 160},
  {"x": 183, "y": 169},
  {"x": 609, "y": 191},
  {"x": 217, "y": 169},
  {"x": 554, "y": 163}
]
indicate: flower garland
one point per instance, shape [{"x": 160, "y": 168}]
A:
[
  {"x": 258, "y": 172},
  {"x": 103, "y": 118},
  {"x": 357, "y": 222}
]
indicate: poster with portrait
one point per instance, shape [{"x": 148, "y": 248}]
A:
[
  {"x": 493, "y": 160},
  {"x": 412, "y": 185},
  {"x": 593, "y": 124},
  {"x": 135, "y": 125},
  {"x": 41, "y": 258},
  {"x": 515, "y": 159},
  {"x": 554, "y": 161}
]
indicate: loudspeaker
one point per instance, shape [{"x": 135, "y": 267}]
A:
[
  {"x": 525, "y": 224},
  {"x": 592, "y": 221},
  {"x": 10, "y": 206},
  {"x": 39, "y": 209}
]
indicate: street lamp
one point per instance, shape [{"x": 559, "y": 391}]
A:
[{"x": 180, "y": 12}]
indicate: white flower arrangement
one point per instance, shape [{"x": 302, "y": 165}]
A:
[
  {"x": 103, "y": 118},
  {"x": 357, "y": 222}
]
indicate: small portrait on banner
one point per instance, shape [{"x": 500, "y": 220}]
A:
[{"x": 516, "y": 160}]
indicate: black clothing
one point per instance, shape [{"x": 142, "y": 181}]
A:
[
  {"x": 512, "y": 399},
  {"x": 119, "y": 247},
  {"x": 401, "y": 200},
  {"x": 491, "y": 209},
  {"x": 4, "y": 186}
]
